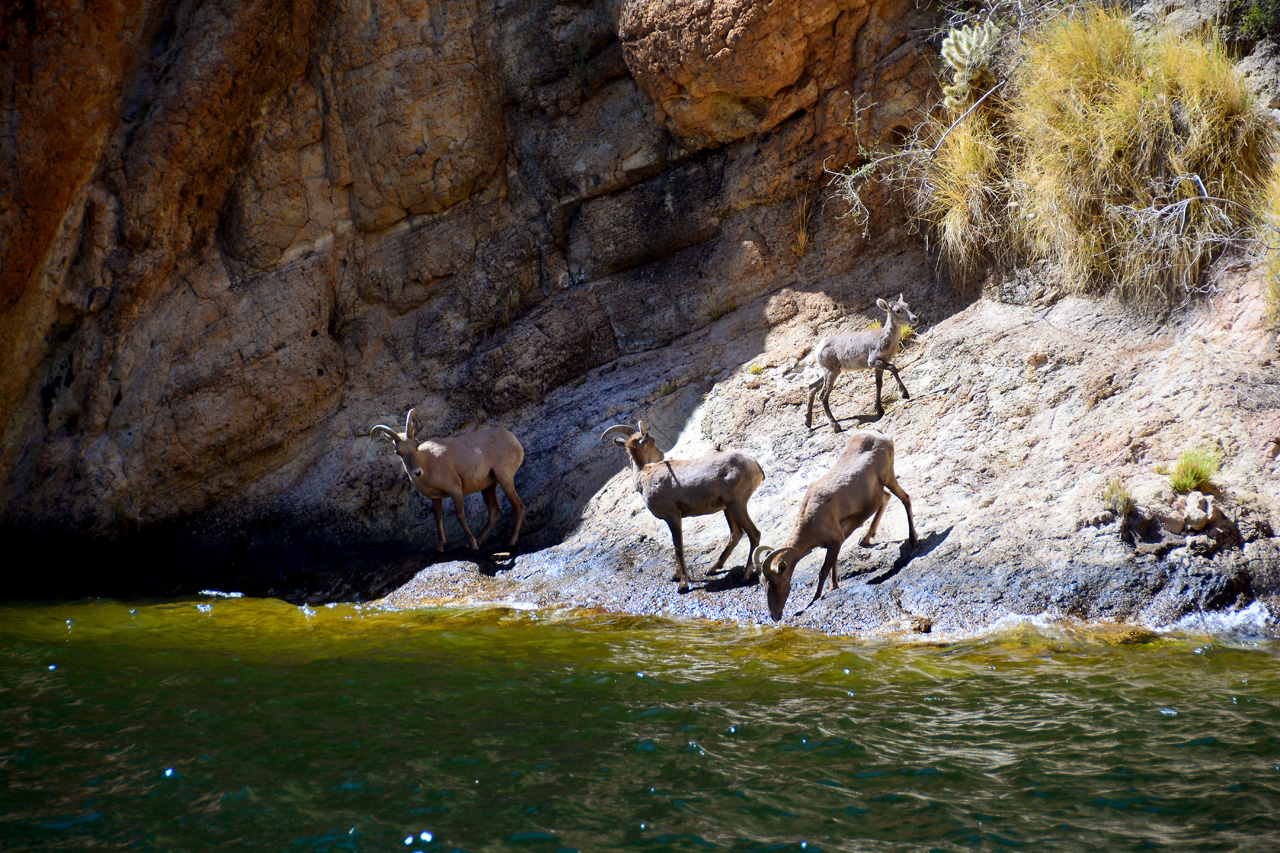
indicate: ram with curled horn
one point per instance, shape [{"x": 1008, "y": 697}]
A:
[
  {"x": 457, "y": 466},
  {"x": 675, "y": 489},
  {"x": 834, "y": 506}
]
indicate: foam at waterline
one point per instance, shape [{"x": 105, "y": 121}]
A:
[{"x": 1247, "y": 622}]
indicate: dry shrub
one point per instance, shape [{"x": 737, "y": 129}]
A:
[
  {"x": 1269, "y": 238},
  {"x": 1128, "y": 160},
  {"x": 962, "y": 195}
]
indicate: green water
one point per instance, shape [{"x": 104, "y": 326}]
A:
[{"x": 255, "y": 725}]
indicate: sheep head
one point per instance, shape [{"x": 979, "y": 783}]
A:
[
  {"x": 405, "y": 445},
  {"x": 639, "y": 445},
  {"x": 777, "y": 581},
  {"x": 899, "y": 311}
]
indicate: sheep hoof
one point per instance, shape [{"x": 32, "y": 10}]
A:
[
  {"x": 684, "y": 588},
  {"x": 837, "y": 428}
]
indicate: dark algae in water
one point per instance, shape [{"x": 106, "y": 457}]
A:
[{"x": 255, "y": 725}]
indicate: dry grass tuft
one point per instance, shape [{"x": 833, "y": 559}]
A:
[
  {"x": 1130, "y": 161},
  {"x": 1269, "y": 237},
  {"x": 1138, "y": 157},
  {"x": 804, "y": 213}
]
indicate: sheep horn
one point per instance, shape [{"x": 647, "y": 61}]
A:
[
  {"x": 617, "y": 429},
  {"x": 767, "y": 568},
  {"x": 408, "y": 425},
  {"x": 383, "y": 429},
  {"x": 760, "y": 554}
]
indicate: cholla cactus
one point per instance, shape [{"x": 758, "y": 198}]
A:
[{"x": 966, "y": 50}]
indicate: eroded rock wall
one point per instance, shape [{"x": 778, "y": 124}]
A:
[{"x": 239, "y": 234}]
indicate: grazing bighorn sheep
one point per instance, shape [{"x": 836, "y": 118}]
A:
[
  {"x": 679, "y": 488},
  {"x": 870, "y": 349},
  {"x": 457, "y": 466},
  {"x": 835, "y": 506}
]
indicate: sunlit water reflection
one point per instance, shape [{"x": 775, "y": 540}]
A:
[{"x": 245, "y": 724}]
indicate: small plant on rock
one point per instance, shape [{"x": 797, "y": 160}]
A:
[
  {"x": 1194, "y": 467},
  {"x": 668, "y": 388},
  {"x": 756, "y": 369},
  {"x": 804, "y": 212},
  {"x": 1116, "y": 498}
]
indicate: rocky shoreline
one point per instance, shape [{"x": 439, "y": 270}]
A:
[{"x": 1021, "y": 415}]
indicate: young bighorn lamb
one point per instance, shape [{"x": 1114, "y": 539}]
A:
[
  {"x": 457, "y": 466},
  {"x": 835, "y": 506},
  {"x": 871, "y": 349},
  {"x": 679, "y": 488}
]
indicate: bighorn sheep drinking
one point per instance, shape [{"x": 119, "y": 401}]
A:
[
  {"x": 834, "y": 506},
  {"x": 870, "y": 349},
  {"x": 674, "y": 489},
  {"x": 457, "y": 466}
]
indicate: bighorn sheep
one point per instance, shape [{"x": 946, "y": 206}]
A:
[
  {"x": 457, "y": 466},
  {"x": 870, "y": 349},
  {"x": 835, "y": 506},
  {"x": 679, "y": 488}
]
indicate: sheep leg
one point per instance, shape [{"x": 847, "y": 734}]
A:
[
  {"x": 879, "y": 383},
  {"x": 828, "y": 568},
  {"x": 735, "y": 536},
  {"x": 460, "y": 511},
  {"x": 438, "y": 505},
  {"x": 491, "y": 503},
  {"x": 814, "y": 388},
  {"x": 753, "y": 537},
  {"x": 677, "y": 537},
  {"x": 906, "y": 502},
  {"x": 828, "y": 386},
  {"x": 875, "y": 521},
  {"x": 884, "y": 365},
  {"x": 509, "y": 489}
]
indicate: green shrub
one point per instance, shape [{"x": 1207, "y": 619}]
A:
[
  {"x": 1261, "y": 19},
  {"x": 1194, "y": 467}
]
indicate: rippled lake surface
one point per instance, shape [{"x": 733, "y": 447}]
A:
[{"x": 235, "y": 724}]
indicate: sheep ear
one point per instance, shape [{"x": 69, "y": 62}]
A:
[
  {"x": 882, "y": 304},
  {"x": 900, "y": 299},
  {"x": 408, "y": 425},
  {"x": 644, "y": 430}
]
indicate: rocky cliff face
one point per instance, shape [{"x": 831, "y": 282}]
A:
[{"x": 239, "y": 234}]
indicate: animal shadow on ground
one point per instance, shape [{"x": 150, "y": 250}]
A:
[
  {"x": 493, "y": 563},
  {"x": 734, "y": 578},
  {"x": 908, "y": 552}
]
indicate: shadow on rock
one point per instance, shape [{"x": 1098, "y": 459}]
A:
[
  {"x": 490, "y": 565},
  {"x": 908, "y": 552},
  {"x": 735, "y": 578}
]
